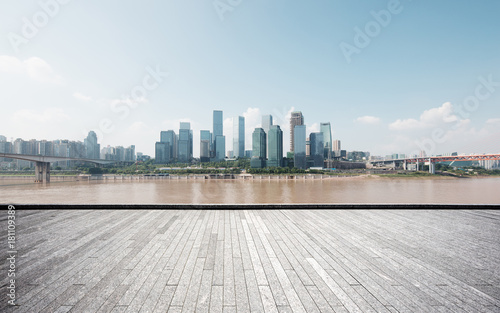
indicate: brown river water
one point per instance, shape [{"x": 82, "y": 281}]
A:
[{"x": 192, "y": 191}]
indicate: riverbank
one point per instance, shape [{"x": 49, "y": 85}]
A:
[{"x": 285, "y": 177}]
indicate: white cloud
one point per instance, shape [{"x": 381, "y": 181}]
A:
[
  {"x": 34, "y": 68},
  {"x": 82, "y": 97},
  {"x": 439, "y": 130},
  {"x": 369, "y": 120},
  {"x": 405, "y": 124},
  {"x": 41, "y": 124},
  {"x": 10, "y": 64},
  {"x": 314, "y": 128},
  {"x": 227, "y": 130},
  {"x": 140, "y": 127},
  {"x": 253, "y": 119},
  {"x": 493, "y": 121},
  {"x": 428, "y": 119}
]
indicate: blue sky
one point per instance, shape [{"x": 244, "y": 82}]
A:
[{"x": 425, "y": 77}]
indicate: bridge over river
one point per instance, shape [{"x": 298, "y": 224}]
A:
[
  {"x": 42, "y": 163},
  {"x": 433, "y": 160}
]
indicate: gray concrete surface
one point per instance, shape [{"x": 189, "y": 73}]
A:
[{"x": 255, "y": 261}]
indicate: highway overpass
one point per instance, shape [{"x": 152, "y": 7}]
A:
[{"x": 42, "y": 163}]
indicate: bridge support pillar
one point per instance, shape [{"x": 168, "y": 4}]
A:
[
  {"x": 42, "y": 172},
  {"x": 432, "y": 168},
  {"x": 404, "y": 165},
  {"x": 417, "y": 166}
]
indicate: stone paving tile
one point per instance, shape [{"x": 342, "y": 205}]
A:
[{"x": 255, "y": 261}]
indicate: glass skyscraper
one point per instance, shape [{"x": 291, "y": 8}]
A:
[
  {"x": 217, "y": 135},
  {"x": 296, "y": 119},
  {"x": 220, "y": 148},
  {"x": 162, "y": 152},
  {"x": 267, "y": 122},
  {"x": 299, "y": 142},
  {"x": 170, "y": 137},
  {"x": 258, "y": 159},
  {"x": 317, "y": 148},
  {"x": 92, "y": 147},
  {"x": 239, "y": 137},
  {"x": 205, "y": 143},
  {"x": 185, "y": 143},
  {"x": 275, "y": 146},
  {"x": 218, "y": 122},
  {"x": 326, "y": 130}
]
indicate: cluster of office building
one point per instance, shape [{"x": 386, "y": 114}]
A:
[
  {"x": 315, "y": 150},
  {"x": 267, "y": 144},
  {"x": 88, "y": 149},
  {"x": 174, "y": 147}
]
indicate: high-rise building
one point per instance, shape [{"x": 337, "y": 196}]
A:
[
  {"x": 220, "y": 148},
  {"x": 267, "y": 122},
  {"x": 239, "y": 137},
  {"x": 217, "y": 132},
  {"x": 130, "y": 154},
  {"x": 205, "y": 143},
  {"x": 275, "y": 146},
  {"x": 187, "y": 126},
  {"x": 308, "y": 147},
  {"x": 120, "y": 153},
  {"x": 45, "y": 147},
  {"x": 317, "y": 149},
  {"x": 326, "y": 129},
  {"x": 336, "y": 147},
  {"x": 185, "y": 143},
  {"x": 162, "y": 152},
  {"x": 5, "y": 147},
  {"x": 258, "y": 159},
  {"x": 296, "y": 119},
  {"x": 217, "y": 123},
  {"x": 92, "y": 147},
  {"x": 170, "y": 137},
  {"x": 299, "y": 142},
  {"x": 20, "y": 146}
]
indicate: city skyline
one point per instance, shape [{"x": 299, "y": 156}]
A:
[
  {"x": 208, "y": 139},
  {"x": 390, "y": 79}
]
